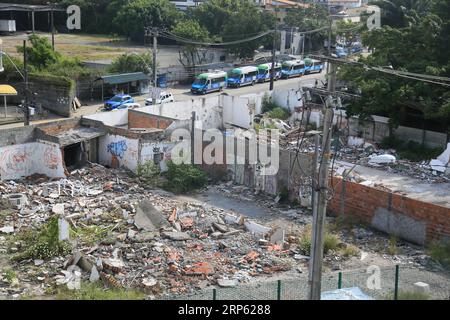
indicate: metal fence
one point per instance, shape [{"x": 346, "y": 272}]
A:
[{"x": 381, "y": 283}]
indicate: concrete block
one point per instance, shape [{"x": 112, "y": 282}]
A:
[{"x": 422, "y": 287}]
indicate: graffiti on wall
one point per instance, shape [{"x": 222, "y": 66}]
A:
[
  {"x": 117, "y": 149},
  {"x": 17, "y": 161},
  {"x": 51, "y": 158},
  {"x": 14, "y": 159}
]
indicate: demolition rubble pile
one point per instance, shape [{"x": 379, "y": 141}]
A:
[{"x": 130, "y": 237}]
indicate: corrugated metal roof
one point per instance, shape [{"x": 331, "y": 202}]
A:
[{"x": 124, "y": 78}]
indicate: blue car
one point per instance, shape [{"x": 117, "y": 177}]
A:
[{"x": 118, "y": 102}]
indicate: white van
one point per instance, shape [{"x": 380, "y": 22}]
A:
[{"x": 164, "y": 97}]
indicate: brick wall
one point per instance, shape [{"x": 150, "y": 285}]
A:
[
  {"x": 411, "y": 219},
  {"x": 137, "y": 119}
]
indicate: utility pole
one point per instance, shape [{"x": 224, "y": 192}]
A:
[
  {"x": 26, "y": 110},
  {"x": 193, "y": 137},
  {"x": 274, "y": 43},
  {"x": 319, "y": 199},
  {"x": 53, "y": 26},
  {"x": 155, "y": 45}
]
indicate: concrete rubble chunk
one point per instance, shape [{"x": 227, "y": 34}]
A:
[
  {"x": 227, "y": 283},
  {"x": 149, "y": 282},
  {"x": 7, "y": 229},
  {"x": 220, "y": 227},
  {"x": 148, "y": 217},
  {"x": 58, "y": 209},
  {"x": 176, "y": 236},
  {"x": 94, "y": 276},
  {"x": 382, "y": 159},
  {"x": 422, "y": 287},
  {"x": 64, "y": 229}
]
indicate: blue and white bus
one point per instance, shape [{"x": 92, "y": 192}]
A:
[
  {"x": 242, "y": 76},
  {"x": 313, "y": 66},
  {"x": 208, "y": 82},
  {"x": 292, "y": 68},
  {"x": 265, "y": 69}
]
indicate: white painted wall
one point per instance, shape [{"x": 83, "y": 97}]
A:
[
  {"x": 208, "y": 111},
  {"x": 111, "y": 118},
  {"x": 22, "y": 160},
  {"x": 148, "y": 150},
  {"x": 124, "y": 150}
]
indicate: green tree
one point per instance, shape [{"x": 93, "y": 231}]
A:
[
  {"x": 132, "y": 63},
  {"x": 309, "y": 18},
  {"x": 138, "y": 14},
  {"x": 191, "y": 54},
  {"x": 214, "y": 14},
  {"x": 243, "y": 24},
  {"x": 40, "y": 53},
  {"x": 419, "y": 47}
]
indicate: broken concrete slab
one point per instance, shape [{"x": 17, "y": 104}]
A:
[
  {"x": 148, "y": 217},
  {"x": 382, "y": 159},
  {"x": 145, "y": 236},
  {"x": 220, "y": 227},
  {"x": 176, "y": 236},
  {"x": 58, "y": 209},
  {"x": 64, "y": 229},
  {"x": 256, "y": 228},
  {"x": 94, "y": 276}
]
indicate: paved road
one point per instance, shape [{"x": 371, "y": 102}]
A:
[{"x": 183, "y": 93}]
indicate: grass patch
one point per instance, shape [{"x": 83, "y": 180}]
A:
[
  {"x": 94, "y": 291},
  {"x": 91, "y": 234},
  {"x": 149, "y": 174},
  {"x": 411, "y": 295},
  {"x": 331, "y": 241},
  {"x": 410, "y": 150},
  {"x": 440, "y": 252},
  {"x": 41, "y": 244}
]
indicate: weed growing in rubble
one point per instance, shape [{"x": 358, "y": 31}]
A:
[
  {"x": 331, "y": 241},
  {"x": 9, "y": 275},
  {"x": 43, "y": 243},
  {"x": 94, "y": 291},
  {"x": 349, "y": 251},
  {"x": 410, "y": 150},
  {"x": 345, "y": 222},
  {"x": 440, "y": 252},
  {"x": 393, "y": 248},
  {"x": 91, "y": 234},
  {"x": 183, "y": 178}
]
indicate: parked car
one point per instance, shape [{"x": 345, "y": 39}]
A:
[
  {"x": 132, "y": 105},
  {"x": 118, "y": 101},
  {"x": 164, "y": 97}
]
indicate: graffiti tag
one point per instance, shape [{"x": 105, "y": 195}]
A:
[{"x": 118, "y": 148}]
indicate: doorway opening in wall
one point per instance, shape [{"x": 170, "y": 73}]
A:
[{"x": 74, "y": 156}]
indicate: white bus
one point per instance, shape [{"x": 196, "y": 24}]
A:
[{"x": 243, "y": 76}]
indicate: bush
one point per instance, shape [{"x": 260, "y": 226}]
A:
[
  {"x": 183, "y": 178},
  {"x": 43, "y": 243},
  {"x": 279, "y": 113}
]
